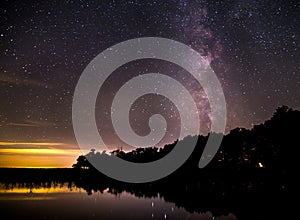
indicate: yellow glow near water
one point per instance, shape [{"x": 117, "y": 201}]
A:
[
  {"x": 37, "y": 155},
  {"x": 39, "y": 190}
]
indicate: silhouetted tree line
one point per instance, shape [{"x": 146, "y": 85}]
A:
[{"x": 270, "y": 145}]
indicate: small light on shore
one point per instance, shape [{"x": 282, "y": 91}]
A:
[{"x": 260, "y": 165}]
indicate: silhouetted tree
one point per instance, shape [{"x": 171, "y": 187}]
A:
[{"x": 82, "y": 163}]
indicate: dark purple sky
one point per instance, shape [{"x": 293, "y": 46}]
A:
[{"x": 45, "y": 46}]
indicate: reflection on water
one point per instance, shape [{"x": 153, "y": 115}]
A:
[
  {"x": 52, "y": 188},
  {"x": 66, "y": 201}
]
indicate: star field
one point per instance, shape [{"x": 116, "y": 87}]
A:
[{"x": 253, "y": 47}]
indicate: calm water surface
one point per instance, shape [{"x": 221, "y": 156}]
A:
[{"x": 70, "y": 202}]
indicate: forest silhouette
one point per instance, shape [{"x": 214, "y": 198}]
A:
[
  {"x": 250, "y": 176},
  {"x": 269, "y": 146}
]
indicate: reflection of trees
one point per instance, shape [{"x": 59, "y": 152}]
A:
[
  {"x": 219, "y": 193},
  {"x": 37, "y": 185}
]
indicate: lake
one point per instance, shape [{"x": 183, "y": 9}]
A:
[{"x": 65, "y": 201}]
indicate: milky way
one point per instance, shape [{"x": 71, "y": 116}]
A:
[{"x": 251, "y": 45}]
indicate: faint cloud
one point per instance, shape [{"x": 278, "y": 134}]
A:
[
  {"x": 19, "y": 81},
  {"x": 20, "y": 124},
  {"x": 30, "y": 145},
  {"x": 30, "y": 123},
  {"x": 36, "y": 145},
  {"x": 38, "y": 123}
]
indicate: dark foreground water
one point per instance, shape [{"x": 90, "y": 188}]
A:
[
  {"x": 62, "y": 201},
  {"x": 83, "y": 194}
]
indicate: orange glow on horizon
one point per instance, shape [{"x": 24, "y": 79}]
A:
[
  {"x": 37, "y": 151},
  {"x": 57, "y": 155}
]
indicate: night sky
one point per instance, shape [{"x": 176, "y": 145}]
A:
[{"x": 45, "y": 45}]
